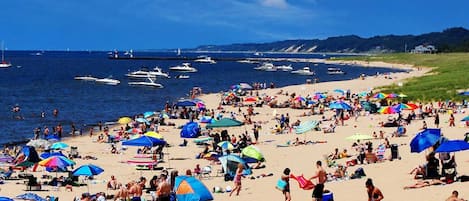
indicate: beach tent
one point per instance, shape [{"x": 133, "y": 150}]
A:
[
  {"x": 30, "y": 154},
  {"x": 190, "y": 130},
  {"x": 191, "y": 189},
  {"x": 225, "y": 122},
  {"x": 144, "y": 141},
  {"x": 252, "y": 154},
  {"x": 230, "y": 164}
]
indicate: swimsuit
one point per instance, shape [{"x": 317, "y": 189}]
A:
[{"x": 318, "y": 191}]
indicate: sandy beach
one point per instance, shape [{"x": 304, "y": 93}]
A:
[{"x": 389, "y": 176}]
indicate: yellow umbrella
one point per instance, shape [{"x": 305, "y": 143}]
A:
[
  {"x": 124, "y": 120},
  {"x": 154, "y": 134}
]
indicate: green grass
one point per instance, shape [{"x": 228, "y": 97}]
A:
[{"x": 450, "y": 73}]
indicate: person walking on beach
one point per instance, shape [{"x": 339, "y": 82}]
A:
[
  {"x": 437, "y": 120},
  {"x": 286, "y": 178},
  {"x": 237, "y": 179},
  {"x": 322, "y": 177},
  {"x": 374, "y": 194}
]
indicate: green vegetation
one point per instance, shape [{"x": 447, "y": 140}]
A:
[{"x": 449, "y": 75}]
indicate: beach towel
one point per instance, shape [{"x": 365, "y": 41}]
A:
[{"x": 303, "y": 183}]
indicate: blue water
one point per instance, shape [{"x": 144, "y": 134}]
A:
[{"x": 43, "y": 83}]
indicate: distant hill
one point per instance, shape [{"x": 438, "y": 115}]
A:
[{"x": 449, "y": 40}]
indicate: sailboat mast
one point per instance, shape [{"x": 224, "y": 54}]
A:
[{"x": 3, "y": 52}]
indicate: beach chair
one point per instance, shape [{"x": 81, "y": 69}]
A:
[{"x": 380, "y": 152}]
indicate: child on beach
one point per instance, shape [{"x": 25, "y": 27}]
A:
[{"x": 237, "y": 179}]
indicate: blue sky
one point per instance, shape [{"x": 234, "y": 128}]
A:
[{"x": 159, "y": 24}]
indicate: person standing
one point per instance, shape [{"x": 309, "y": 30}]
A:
[
  {"x": 437, "y": 120},
  {"x": 237, "y": 179},
  {"x": 286, "y": 178},
  {"x": 451, "y": 121},
  {"x": 374, "y": 194},
  {"x": 322, "y": 177}
]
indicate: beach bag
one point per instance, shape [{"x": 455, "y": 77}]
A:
[
  {"x": 281, "y": 184},
  {"x": 303, "y": 183}
]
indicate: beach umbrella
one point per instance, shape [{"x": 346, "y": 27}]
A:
[
  {"x": 164, "y": 115},
  {"x": 39, "y": 143},
  {"x": 340, "y": 105},
  {"x": 142, "y": 120},
  {"x": 425, "y": 139},
  {"x": 392, "y": 95},
  {"x": 49, "y": 154},
  {"x": 200, "y": 105},
  {"x": 148, "y": 114},
  {"x": 88, "y": 170},
  {"x": 245, "y": 86},
  {"x": 6, "y": 199},
  {"x": 465, "y": 93},
  {"x": 380, "y": 95},
  {"x": 253, "y": 152},
  {"x": 186, "y": 103},
  {"x": 453, "y": 146},
  {"x": 300, "y": 98},
  {"x": 412, "y": 106},
  {"x": 225, "y": 122},
  {"x": 6, "y": 158},
  {"x": 465, "y": 118},
  {"x": 144, "y": 141},
  {"x": 363, "y": 93},
  {"x": 388, "y": 110},
  {"x": 318, "y": 96},
  {"x": 189, "y": 188},
  {"x": 211, "y": 156},
  {"x": 251, "y": 99},
  {"x": 124, "y": 120},
  {"x": 339, "y": 91},
  {"x": 236, "y": 86},
  {"x": 359, "y": 136},
  {"x": 59, "y": 145},
  {"x": 31, "y": 196},
  {"x": 402, "y": 106},
  {"x": 25, "y": 164},
  {"x": 207, "y": 119},
  {"x": 134, "y": 130},
  {"x": 225, "y": 145},
  {"x": 56, "y": 162},
  {"x": 154, "y": 134}
]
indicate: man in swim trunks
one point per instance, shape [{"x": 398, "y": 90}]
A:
[{"x": 322, "y": 177}]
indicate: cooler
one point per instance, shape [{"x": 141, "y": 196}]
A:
[{"x": 328, "y": 196}]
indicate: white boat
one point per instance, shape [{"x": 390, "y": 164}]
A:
[
  {"x": 85, "y": 78},
  {"x": 4, "y": 64},
  {"x": 285, "y": 68},
  {"x": 266, "y": 66},
  {"x": 182, "y": 76},
  {"x": 205, "y": 59},
  {"x": 108, "y": 81},
  {"x": 247, "y": 61},
  {"x": 158, "y": 72},
  {"x": 140, "y": 74},
  {"x": 150, "y": 83},
  {"x": 334, "y": 71},
  {"x": 303, "y": 71},
  {"x": 185, "y": 67}
]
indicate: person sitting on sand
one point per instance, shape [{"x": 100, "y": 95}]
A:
[
  {"x": 454, "y": 197},
  {"x": 329, "y": 129},
  {"x": 113, "y": 184},
  {"x": 340, "y": 171},
  {"x": 344, "y": 154},
  {"x": 122, "y": 194},
  {"x": 425, "y": 183},
  {"x": 418, "y": 172}
]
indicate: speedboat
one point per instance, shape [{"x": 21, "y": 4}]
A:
[
  {"x": 140, "y": 74},
  {"x": 85, "y": 78},
  {"x": 247, "y": 61},
  {"x": 150, "y": 83},
  {"x": 335, "y": 71},
  {"x": 185, "y": 67},
  {"x": 266, "y": 66},
  {"x": 108, "y": 81},
  {"x": 303, "y": 71},
  {"x": 158, "y": 72},
  {"x": 285, "y": 68},
  {"x": 182, "y": 76},
  {"x": 205, "y": 59}
]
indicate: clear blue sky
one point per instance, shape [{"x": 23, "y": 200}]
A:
[{"x": 158, "y": 24}]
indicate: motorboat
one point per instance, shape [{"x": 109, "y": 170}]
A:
[
  {"x": 266, "y": 66},
  {"x": 150, "y": 83},
  {"x": 205, "y": 59},
  {"x": 182, "y": 76},
  {"x": 334, "y": 71},
  {"x": 247, "y": 61},
  {"x": 108, "y": 81},
  {"x": 85, "y": 78},
  {"x": 285, "y": 68},
  {"x": 303, "y": 71},
  {"x": 145, "y": 73},
  {"x": 185, "y": 67},
  {"x": 4, "y": 64},
  {"x": 158, "y": 72}
]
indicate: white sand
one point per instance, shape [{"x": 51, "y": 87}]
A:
[{"x": 389, "y": 176}]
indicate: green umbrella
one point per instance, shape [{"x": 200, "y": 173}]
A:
[
  {"x": 25, "y": 164},
  {"x": 252, "y": 152},
  {"x": 359, "y": 136}
]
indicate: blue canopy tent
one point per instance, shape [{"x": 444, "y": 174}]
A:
[
  {"x": 190, "y": 130},
  {"x": 191, "y": 189},
  {"x": 144, "y": 141},
  {"x": 230, "y": 164}
]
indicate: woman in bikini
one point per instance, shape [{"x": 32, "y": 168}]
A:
[
  {"x": 237, "y": 179},
  {"x": 374, "y": 194}
]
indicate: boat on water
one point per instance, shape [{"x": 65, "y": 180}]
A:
[
  {"x": 182, "y": 76},
  {"x": 184, "y": 67},
  {"x": 145, "y": 73},
  {"x": 205, "y": 59},
  {"x": 4, "y": 64},
  {"x": 303, "y": 71},
  {"x": 150, "y": 83},
  {"x": 335, "y": 71},
  {"x": 108, "y": 81},
  {"x": 285, "y": 68},
  {"x": 247, "y": 61},
  {"x": 85, "y": 78},
  {"x": 266, "y": 66}
]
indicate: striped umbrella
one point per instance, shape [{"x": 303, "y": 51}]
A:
[
  {"x": 380, "y": 95},
  {"x": 388, "y": 110},
  {"x": 226, "y": 145}
]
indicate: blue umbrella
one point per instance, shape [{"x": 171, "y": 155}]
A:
[
  {"x": 465, "y": 118},
  {"x": 466, "y": 93},
  {"x": 453, "y": 146},
  {"x": 87, "y": 170},
  {"x": 30, "y": 196},
  {"x": 148, "y": 114},
  {"x": 5, "y": 199},
  {"x": 59, "y": 145},
  {"x": 49, "y": 154},
  {"x": 142, "y": 120},
  {"x": 424, "y": 139},
  {"x": 340, "y": 105},
  {"x": 186, "y": 103},
  {"x": 339, "y": 91},
  {"x": 144, "y": 141}
]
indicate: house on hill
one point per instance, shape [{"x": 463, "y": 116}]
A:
[{"x": 424, "y": 49}]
